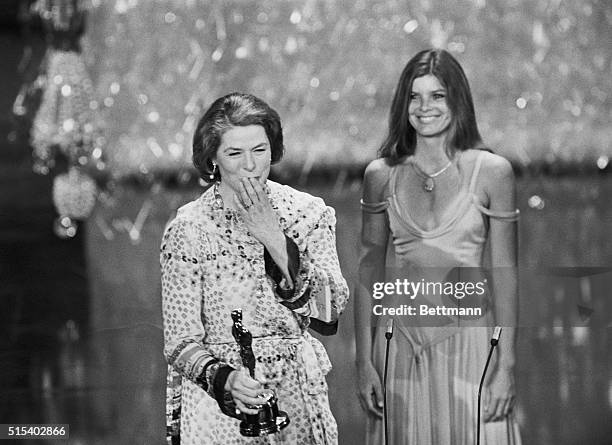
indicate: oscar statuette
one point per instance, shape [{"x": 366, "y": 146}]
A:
[{"x": 269, "y": 419}]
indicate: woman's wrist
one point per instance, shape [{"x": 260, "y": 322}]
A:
[
  {"x": 506, "y": 363},
  {"x": 229, "y": 382},
  {"x": 223, "y": 381},
  {"x": 274, "y": 240},
  {"x": 220, "y": 380},
  {"x": 283, "y": 262}
]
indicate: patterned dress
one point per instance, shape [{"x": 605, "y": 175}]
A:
[{"x": 210, "y": 266}]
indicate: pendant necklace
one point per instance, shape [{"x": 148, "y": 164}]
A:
[{"x": 428, "y": 179}]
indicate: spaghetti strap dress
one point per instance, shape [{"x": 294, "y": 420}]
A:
[{"x": 434, "y": 369}]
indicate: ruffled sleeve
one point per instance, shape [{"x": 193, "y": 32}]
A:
[{"x": 321, "y": 290}]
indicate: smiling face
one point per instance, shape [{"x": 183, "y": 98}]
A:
[
  {"x": 428, "y": 111},
  {"x": 243, "y": 152}
]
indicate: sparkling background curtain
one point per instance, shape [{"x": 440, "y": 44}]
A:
[{"x": 539, "y": 71}]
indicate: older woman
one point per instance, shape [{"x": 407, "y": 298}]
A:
[
  {"x": 268, "y": 249},
  {"x": 442, "y": 198}
]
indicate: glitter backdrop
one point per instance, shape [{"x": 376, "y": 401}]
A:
[{"x": 539, "y": 71}]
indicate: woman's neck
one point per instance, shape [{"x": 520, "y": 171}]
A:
[
  {"x": 430, "y": 153},
  {"x": 227, "y": 195}
]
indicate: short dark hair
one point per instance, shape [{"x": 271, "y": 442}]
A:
[
  {"x": 464, "y": 134},
  {"x": 233, "y": 110}
]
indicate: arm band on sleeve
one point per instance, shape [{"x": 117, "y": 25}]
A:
[
  {"x": 202, "y": 379},
  {"x": 374, "y": 207},
  {"x": 502, "y": 216},
  {"x": 300, "y": 302},
  {"x": 323, "y": 328}
]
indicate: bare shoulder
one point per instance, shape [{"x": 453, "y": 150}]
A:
[
  {"x": 375, "y": 180},
  {"x": 497, "y": 180},
  {"x": 496, "y": 169}
]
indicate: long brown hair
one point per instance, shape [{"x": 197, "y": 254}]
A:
[{"x": 464, "y": 134}]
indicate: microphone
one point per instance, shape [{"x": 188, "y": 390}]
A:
[
  {"x": 389, "y": 331},
  {"x": 494, "y": 342},
  {"x": 496, "y": 335},
  {"x": 388, "y": 335}
]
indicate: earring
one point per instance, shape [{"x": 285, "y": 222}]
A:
[
  {"x": 214, "y": 172},
  {"x": 218, "y": 202}
]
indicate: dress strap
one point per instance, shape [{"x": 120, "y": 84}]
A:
[
  {"x": 374, "y": 207},
  {"x": 393, "y": 178},
  {"x": 508, "y": 216},
  {"x": 475, "y": 172},
  {"x": 379, "y": 207}
]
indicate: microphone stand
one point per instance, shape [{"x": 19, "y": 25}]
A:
[
  {"x": 494, "y": 342},
  {"x": 388, "y": 335}
]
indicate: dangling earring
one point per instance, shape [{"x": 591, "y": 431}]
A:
[
  {"x": 214, "y": 172},
  {"x": 218, "y": 202}
]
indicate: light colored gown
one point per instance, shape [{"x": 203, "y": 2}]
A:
[{"x": 434, "y": 371}]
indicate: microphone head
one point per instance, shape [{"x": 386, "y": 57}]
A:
[
  {"x": 497, "y": 333},
  {"x": 390, "y": 325},
  {"x": 389, "y": 330}
]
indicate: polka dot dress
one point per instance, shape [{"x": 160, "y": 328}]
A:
[{"x": 211, "y": 265}]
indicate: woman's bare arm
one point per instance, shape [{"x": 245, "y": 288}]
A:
[
  {"x": 499, "y": 186},
  {"x": 374, "y": 237}
]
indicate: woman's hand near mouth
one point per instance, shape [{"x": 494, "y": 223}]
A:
[{"x": 261, "y": 220}]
